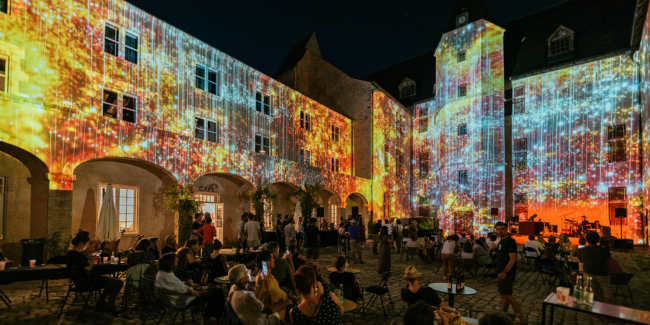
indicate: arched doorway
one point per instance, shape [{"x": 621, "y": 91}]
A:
[
  {"x": 284, "y": 204},
  {"x": 24, "y": 198},
  {"x": 356, "y": 204},
  {"x": 330, "y": 201},
  {"x": 139, "y": 188},
  {"x": 223, "y": 196}
]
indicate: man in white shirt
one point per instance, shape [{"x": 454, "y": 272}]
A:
[
  {"x": 536, "y": 245},
  {"x": 244, "y": 303},
  {"x": 289, "y": 232},
  {"x": 253, "y": 234},
  {"x": 463, "y": 239}
]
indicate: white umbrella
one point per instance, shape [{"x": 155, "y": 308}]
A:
[
  {"x": 298, "y": 214},
  {"x": 108, "y": 225}
]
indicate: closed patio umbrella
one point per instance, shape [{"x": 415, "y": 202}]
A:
[
  {"x": 298, "y": 213},
  {"x": 108, "y": 226}
]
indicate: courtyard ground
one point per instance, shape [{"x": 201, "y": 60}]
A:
[{"x": 29, "y": 309}]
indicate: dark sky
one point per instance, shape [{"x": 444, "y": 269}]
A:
[{"x": 358, "y": 37}]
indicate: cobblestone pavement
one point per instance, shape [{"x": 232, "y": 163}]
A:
[{"x": 28, "y": 308}]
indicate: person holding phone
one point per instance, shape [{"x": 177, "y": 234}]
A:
[
  {"x": 249, "y": 309},
  {"x": 268, "y": 288}
]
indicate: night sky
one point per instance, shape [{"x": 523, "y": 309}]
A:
[{"x": 358, "y": 37}]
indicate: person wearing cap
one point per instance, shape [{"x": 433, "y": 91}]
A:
[
  {"x": 414, "y": 293},
  {"x": 355, "y": 245},
  {"x": 171, "y": 247},
  {"x": 249, "y": 309}
]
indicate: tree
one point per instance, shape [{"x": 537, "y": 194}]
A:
[
  {"x": 180, "y": 198},
  {"x": 307, "y": 195},
  {"x": 262, "y": 198}
]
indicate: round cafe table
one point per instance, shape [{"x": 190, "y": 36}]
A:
[
  {"x": 351, "y": 270},
  {"x": 442, "y": 287},
  {"x": 348, "y": 305}
]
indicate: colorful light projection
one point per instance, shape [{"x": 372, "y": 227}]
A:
[
  {"x": 464, "y": 137},
  {"x": 643, "y": 56},
  {"x": 391, "y": 146},
  {"x": 58, "y": 70},
  {"x": 568, "y": 170}
]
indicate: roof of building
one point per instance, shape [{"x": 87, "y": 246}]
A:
[
  {"x": 639, "y": 23},
  {"x": 601, "y": 27},
  {"x": 303, "y": 44},
  {"x": 421, "y": 69}
]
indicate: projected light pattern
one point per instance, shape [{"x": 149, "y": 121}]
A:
[
  {"x": 464, "y": 137},
  {"x": 391, "y": 135},
  {"x": 58, "y": 70},
  {"x": 568, "y": 167},
  {"x": 643, "y": 56}
]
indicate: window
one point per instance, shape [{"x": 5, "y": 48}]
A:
[
  {"x": 423, "y": 203},
  {"x": 617, "y": 194},
  {"x": 126, "y": 199},
  {"x": 305, "y": 156},
  {"x": 616, "y": 151},
  {"x": 335, "y": 165},
  {"x": 334, "y": 212},
  {"x": 128, "y": 109},
  {"x": 200, "y": 77},
  {"x": 212, "y": 82},
  {"x": 424, "y": 164},
  {"x": 109, "y": 107},
  {"x": 561, "y": 41},
  {"x": 387, "y": 205},
  {"x": 400, "y": 163},
  {"x": 3, "y": 75},
  {"x": 111, "y": 40},
  {"x": 462, "y": 178},
  {"x": 386, "y": 157},
  {"x": 462, "y": 129},
  {"x": 4, "y": 6},
  {"x": 262, "y": 145},
  {"x": 206, "y": 130},
  {"x": 263, "y": 104},
  {"x": 519, "y": 91},
  {"x": 461, "y": 56},
  {"x": 335, "y": 133},
  {"x": 406, "y": 88},
  {"x": 519, "y": 106},
  {"x": 462, "y": 90},
  {"x": 131, "y": 48},
  {"x": 521, "y": 160},
  {"x": 305, "y": 121},
  {"x": 424, "y": 119},
  {"x": 521, "y": 198},
  {"x": 521, "y": 144},
  {"x": 616, "y": 132}
]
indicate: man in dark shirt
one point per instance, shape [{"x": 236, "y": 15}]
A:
[
  {"x": 312, "y": 240},
  {"x": 414, "y": 293},
  {"x": 196, "y": 225},
  {"x": 279, "y": 230},
  {"x": 594, "y": 263},
  {"x": 506, "y": 268},
  {"x": 171, "y": 247},
  {"x": 375, "y": 236},
  {"x": 355, "y": 245}
]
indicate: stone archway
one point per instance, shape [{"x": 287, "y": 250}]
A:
[
  {"x": 284, "y": 203},
  {"x": 357, "y": 202}
]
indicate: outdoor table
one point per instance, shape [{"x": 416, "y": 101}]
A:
[
  {"x": 222, "y": 280},
  {"x": 348, "y": 305},
  {"x": 353, "y": 271},
  {"x": 625, "y": 314},
  {"x": 470, "y": 320},
  {"x": 442, "y": 287},
  {"x": 109, "y": 269},
  {"x": 26, "y": 273}
]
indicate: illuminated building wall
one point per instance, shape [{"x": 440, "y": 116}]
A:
[
  {"x": 463, "y": 140},
  {"x": 391, "y": 143},
  {"x": 643, "y": 56},
  {"x": 58, "y": 70},
  {"x": 567, "y": 127}
]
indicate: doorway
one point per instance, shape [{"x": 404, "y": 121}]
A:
[
  {"x": 355, "y": 212},
  {"x": 211, "y": 204}
]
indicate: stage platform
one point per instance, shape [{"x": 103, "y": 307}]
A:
[{"x": 522, "y": 239}]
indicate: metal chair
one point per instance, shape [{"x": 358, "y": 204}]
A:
[
  {"x": 171, "y": 307},
  {"x": 379, "y": 290},
  {"x": 45, "y": 283},
  {"x": 148, "y": 283},
  {"x": 553, "y": 272},
  {"x": 134, "y": 282},
  {"x": 412, "y": 254},
  {"x": 78, "y": 286},
  {"x": 622, "y": 279},
  {"x": 529, "y": 259}
]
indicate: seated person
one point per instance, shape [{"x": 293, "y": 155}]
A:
[
  {"x": 494, "y": 318},
  {"x": 565, "y": 243},
  {"x": 552, "y": 243},
  {"x": 317, "y": 304},
  {"x": 183, "y": 270},
  {"x": 142, "y": 254},
  {"x": 574, "y": 252},
  {"x": 413, "y": 242},
  {"x": 283, "y": 266},
  {"x": 468, "y": 251},
  {"x": 267, "y": 287},
  {"x": 154, "y": 248},
  {"x": 170, "y": 245},
  {"x": 342, "y": 277},
  {"x": 217, "y": 262},
  {"x": 482, "y": 255},
  {"x": 248, "y": 308},
  {"x": 84, "y": 278},
  {"x": 298, "y": 260},
  {"x": 182, "y": 295},
  {"x": 420, "y": 313},
  {"x": 534, "y": 244},
  {"x": 414, "y": 293}
]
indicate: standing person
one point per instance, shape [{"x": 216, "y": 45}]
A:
[
  {"x": 253, "y": 233},
  {"x": 240, "y": 233},
  {"x": 198, "y": 218},
  {"x": 399, "y": 236},
  {"x": 300, "y": 233},
  {"x": 375, "y": 236},
  {"x": 208, "y": 231},
  {"x": 312, "y": 240},
  {"x": 289, "y": 232},
  {"x": 448, "y": 256},
  {"x": 594, "y": 261},
  {"x": 362, "y": 232},
  {"x": 170, "y": 245},
  {"x": 384, "y": 251},
  {"x": 343, "y": 239},
  {"x": 507, "y": 269},
  {"x": 279, "y": 230},
  {"x": 355, "y": 232}
]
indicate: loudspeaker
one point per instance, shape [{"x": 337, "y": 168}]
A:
[
  {"x": 320, "y": 212},
  {"x": 623, "y": 243},
  {"x": 555, "y": 228},
  {"x": 620, "y": 212},
  {"x": 494, "y": 211}
]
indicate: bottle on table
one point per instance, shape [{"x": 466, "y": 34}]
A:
[
  {"x": 462, "y": 280},
  {"x": 577, "y": 291},
  {"x": 588, "y": 293}
]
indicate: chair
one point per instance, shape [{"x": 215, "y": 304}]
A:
[
  {"x": 412, "y": 254},
  {"x": 622, "y": 279},
  {"x": 490, "y": 266},
  {"x": 229, "y": 316},
  {"x": 470, "y": 265},
  {"x": 148, "y": 284},
  {"x": 79, "y": 284},
  {"x": 529, "y": 259},
  {"x": 379, "y": 290},
  {"x": 134, "y": 282},
  {"x": 45, "y": 283},
  {"x": 171, "y": 307},
  {"x": 551, "y": 271}
]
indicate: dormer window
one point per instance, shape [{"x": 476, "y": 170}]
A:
[
  {"x": 406, "y": 88},
  {"x": 561, "y": 41}
]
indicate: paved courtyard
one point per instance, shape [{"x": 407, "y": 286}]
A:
[{"x": 29, "y": 309}]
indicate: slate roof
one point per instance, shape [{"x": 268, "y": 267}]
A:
[
  {"x": 308, "y": 42},
  {"x": 601, "y": 27},
  {"x": 421, "y": 69}
]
